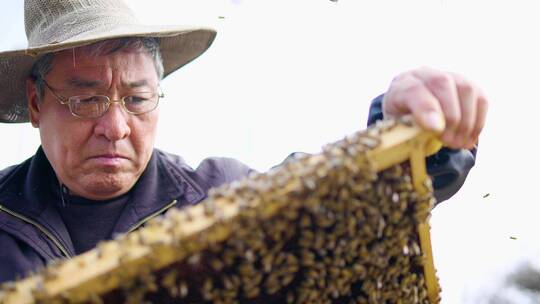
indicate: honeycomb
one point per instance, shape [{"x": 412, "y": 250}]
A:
[{"x": 347, "y": 225}]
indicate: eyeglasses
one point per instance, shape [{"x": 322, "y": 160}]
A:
[{"x": 94, "y": 106}]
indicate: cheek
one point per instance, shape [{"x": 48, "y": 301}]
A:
[
  {"x": 143, "y": 135},
  {"x": 61, "y": 136}
]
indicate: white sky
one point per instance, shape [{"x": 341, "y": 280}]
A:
[{"x": 286, "y": 76}]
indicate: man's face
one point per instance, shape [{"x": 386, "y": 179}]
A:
[{"x": 103, "y": 157}]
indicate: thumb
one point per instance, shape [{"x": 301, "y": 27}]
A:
[
  {"x": 427, "y": 111},
  {"x": 431, "y": 120}
]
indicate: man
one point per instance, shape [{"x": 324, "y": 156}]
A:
[{"x": 89, "y": 81}]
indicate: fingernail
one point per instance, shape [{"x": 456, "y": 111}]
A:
[{"x": 434, "y": 121}]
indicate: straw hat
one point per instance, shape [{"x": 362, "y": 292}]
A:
[{"x": 54, "y": 25}]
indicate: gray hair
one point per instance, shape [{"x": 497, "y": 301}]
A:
[{"x": 43, "y": 64}]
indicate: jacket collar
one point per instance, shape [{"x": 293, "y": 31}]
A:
[
  {"x": 26, "y": 190},
  {"x": 157, "y": 188}
]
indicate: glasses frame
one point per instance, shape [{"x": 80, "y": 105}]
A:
[{"x": 68, "y": 101}]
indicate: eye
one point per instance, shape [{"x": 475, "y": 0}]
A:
[
  {"x": 88, "y": 98},
  {"x": 138, "y": 98}
]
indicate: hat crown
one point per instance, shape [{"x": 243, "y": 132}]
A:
[
  {"x": 56, "y": 25},
  {"x": 54, "y": 21}
]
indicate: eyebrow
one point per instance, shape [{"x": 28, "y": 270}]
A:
[
  {"x": 135, "y": 84},
  {"x": 78, "y": 82}
]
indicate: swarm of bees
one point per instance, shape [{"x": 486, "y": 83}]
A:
[{"x": 327, "y": 228}]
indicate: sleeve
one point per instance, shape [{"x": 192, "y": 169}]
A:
[
  {"x": 448, "y": 168},
  {"x": 216, "y": 171}
]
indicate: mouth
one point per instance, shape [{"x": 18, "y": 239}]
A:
[{"x": 109, "y": 159}]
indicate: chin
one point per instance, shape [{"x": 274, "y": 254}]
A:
[{"x": 105, "y": 186}]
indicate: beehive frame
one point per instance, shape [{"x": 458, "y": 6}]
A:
[{"x": 88, "y": 277}]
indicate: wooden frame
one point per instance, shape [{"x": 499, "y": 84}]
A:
[{"x": 158, "y": 245}]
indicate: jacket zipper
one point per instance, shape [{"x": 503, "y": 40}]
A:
[
  {"x": 40, "y": 228},
  {"x": 146, "y": 219}
]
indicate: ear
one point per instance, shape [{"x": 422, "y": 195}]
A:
[{"x": 33, "y": 102}]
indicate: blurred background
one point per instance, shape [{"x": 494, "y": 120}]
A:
[{"x": 286, "y": 76}]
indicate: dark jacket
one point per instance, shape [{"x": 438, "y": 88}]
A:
[{"x": 32, "y": 232}]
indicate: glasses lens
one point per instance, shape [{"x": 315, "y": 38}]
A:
[
  {"x": 88, "y": 105},
  {"x": 141, "y": 102}
]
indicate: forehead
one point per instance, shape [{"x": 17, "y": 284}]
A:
[{"x": 126, "y": 63}]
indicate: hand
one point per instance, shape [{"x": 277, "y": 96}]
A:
[{"x": 439, "y": 101}]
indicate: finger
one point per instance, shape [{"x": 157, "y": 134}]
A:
[
  {"x": 468, "y": 96},
  {"x": 481, "y": 113},
  {"x": 409, "y": 95},
  {"x": 393, "y": 105},
  {"x": 443, "y": 87}
]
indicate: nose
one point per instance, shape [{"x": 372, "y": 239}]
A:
[{"x": 114, "y": 124}]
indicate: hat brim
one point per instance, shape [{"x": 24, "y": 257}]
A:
[{"x": 179, "y": 46}]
